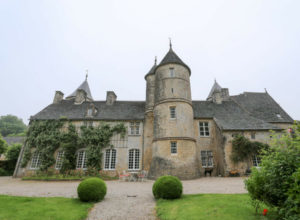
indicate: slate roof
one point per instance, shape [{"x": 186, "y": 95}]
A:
[
  {"x": 262, "y": 106},
  {"x": 216, "y": 87},
  {"x": 84, "y": 86},
  {"x": 14, "y": 140},
  {"x": 152, "y": 70},
  {"x": 172, "y": 57}
]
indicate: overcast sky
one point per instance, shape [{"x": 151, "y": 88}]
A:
[{"x": 46, "y": 46}]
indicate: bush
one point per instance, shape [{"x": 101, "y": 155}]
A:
[
  {"x": 167, "y": 187},
  {"x": 3, "y": 172},
  {"x": 91, "y": 189}
]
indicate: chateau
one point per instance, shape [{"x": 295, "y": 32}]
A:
[{"x": 170, "y": 133}]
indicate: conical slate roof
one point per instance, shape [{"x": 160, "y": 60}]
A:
[
  {"x": 152, "y": 70},
  {"x": 84, "y": 86},
  {"x": 216, "y": 87},
  {"x": 172, "y": 57}
]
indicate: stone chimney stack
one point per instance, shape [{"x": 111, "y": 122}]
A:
[
  {"x": 111, "y": 97},
  {"x": 80, "y": 96},
  {"x": 220, "y": 95},
  {"x": 58, "y": 97}
]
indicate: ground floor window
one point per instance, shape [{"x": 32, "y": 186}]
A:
[
  {"x": 173, "y": 147},
  {"x": 256, "y": 160},
  {"x": 81, "y": 160},
  {"x": 110, "y": 159},
  {"x": 59, "y": 159},
  {"x": 134, "y": 159},
  {"x": 35, "y": 161},
  {"x": 207, "y": 158}
]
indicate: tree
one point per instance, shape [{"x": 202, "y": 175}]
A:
[
  {"x": 3, "y": 145},
  {"x": 12, "y": 155},
  {"x": 10, "y": 124}
]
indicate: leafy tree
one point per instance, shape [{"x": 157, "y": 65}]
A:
[
  {"x": 12, "y": 155},
  {"x": 10, "y": 124},
  {"x": 3, "y": 145}
]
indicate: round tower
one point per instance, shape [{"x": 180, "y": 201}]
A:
[{"x": 174, "y": 145}]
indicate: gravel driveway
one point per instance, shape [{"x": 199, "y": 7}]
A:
[{"x": 124, "y": 200}]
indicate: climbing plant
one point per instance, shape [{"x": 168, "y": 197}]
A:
[{"x": 243, "y": 148}]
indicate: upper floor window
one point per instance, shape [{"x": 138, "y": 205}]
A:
[
  {"x": 173, "y": 112},
  {"x": 134, "y": 159},
  {"x": 207, "y": 158},
  {"x": 204, "y": 129},
  {"x": 81, "y": 160},
  {"x": 134, "y": 128},
  {"x": 59, "y": 159},
  {"x": 110, "y": 159},
  {"x": 173, "y": 147},
  {"x": 256, "y": 160},
  {"x": 90, "y": 112},
  {"x": 172, "y": 72},
  {"x": 35, "y": 161}
]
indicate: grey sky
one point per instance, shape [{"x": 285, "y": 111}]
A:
[{"x": 47, "y": 45}]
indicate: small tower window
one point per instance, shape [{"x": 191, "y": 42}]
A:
[
  {"x": 172, "y": 72},
  {"x": 173, "y": 112},
  {"x": 173, "y": 147}
]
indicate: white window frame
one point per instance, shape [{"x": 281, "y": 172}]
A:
[
  {"x": 204, "y": 129},
  {"x": 173, "y": 147},
  {"x": 134, "y": 128},
  {"x": 172, "y": 112},
  {"x": 207, "y": 158},
  {"x": 83, "y": 158},
  {"x": 256, "y": 160},
  {"x": 35, "y": 161},
  {"x": 134, "y": 159},
  {"x": 110, "y": 159},
  {"x": 59, "y": 159}
]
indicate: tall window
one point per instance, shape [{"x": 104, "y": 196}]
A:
[
  {"x": 134, "y": 159},
  {"x": 173, "y": 112},
  {"x": 35, "y": 161},
  {"x": 110, "y": 159},
  {"x": 256, "y": 160},
  {"x": 59, "y": 159},
  {"x": 81, "y": 160},
  {"x": 207, "y": 158},
  {"x": 173, "y": 147},
  {"x": 204, "y": 129},
  {"x": 172, "y": 72},
  {"x": 134, "y": 128}
]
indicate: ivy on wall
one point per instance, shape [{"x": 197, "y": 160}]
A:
[
  {"x": 49, "y": 135},
  {"x": 243, "y": 148}
]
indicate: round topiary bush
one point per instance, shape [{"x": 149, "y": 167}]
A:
[
  {"x": 91, "y": 189},
  {"x": 167, "y": 187}
]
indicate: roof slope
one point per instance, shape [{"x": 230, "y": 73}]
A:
[
  {"x": 262, "y": 106},
  {"x": 84, "y": 86},
  {"x": 216, "y": 87}
]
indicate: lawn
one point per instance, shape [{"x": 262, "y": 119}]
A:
[
  {"x": 48, "y": 208},
  {"x": 210, "y": 207}
]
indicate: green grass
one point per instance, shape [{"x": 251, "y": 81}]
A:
[
  {"x": 48, "y": 208},
  {"x": 210, "y": 207}
]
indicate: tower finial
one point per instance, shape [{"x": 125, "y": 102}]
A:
[
  {"x": 170, "y": 40},
  {"x": 86, "y": 74},
  {"x": 155, "y": 60}
]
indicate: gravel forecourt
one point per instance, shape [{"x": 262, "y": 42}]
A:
[{"x": 124, "y": 200}]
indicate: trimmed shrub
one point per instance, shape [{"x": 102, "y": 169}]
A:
[
  {"x": 167, "y": 187},
  {"x": 91, "y": 190}
]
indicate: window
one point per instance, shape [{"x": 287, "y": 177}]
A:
[
  {"x": 256, "y": 160},
  {"x": 172, "y": 72},
  {"x": 207, "y": 158},
  {"x": 110, "y": 159},
  {"x": 173, "y": 147},
  {"x": 35, "y": 161},
  {"x": 172, "y": 112},
  {"x": 134, "y": 159},
  {"x": 90, "y": 112},
  {"x": 59, "y": 159},
  {"x": 278, "y": 116},
  {"x": 204, "y": 129},
  {"x": 134, "y": 128},
  {"x": 252, "y": 135},
  {"x": 81, "y": 160}
]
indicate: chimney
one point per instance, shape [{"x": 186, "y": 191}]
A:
[
  {"x": 111, "y": 97},
  {"x": 225, "y": 94},
  {"x": 80, "y": 96},
  {"x": 58, "y": 97},
  {"x": 220, "y": 96}
]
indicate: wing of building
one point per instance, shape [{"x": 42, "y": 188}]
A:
[{"x": 170, "y": 133}]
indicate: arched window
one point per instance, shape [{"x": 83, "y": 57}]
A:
[
  {"x": 134, "y": 159},
  {"x": 110, "y": 159}
]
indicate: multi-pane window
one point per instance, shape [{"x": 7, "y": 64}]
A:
[
  {"x": 59, "y": 159},
  {"x": 173, "y": 112},
  {"x": 207, "y": 158},
  {"x": 204, "y": 129},
  {"x": 35, "y": 161},
  {"x": 173, "y": 147},
  {"x": 90, "y": 112},
  {"x": 134, "y": 159},
  {"x": 172, "y": 72},
  {"x": 256, "y": 160},
  {"x": 134, "y": 128},
  {"x": 81, "y": 160},
  {"x": 110, "y": 159}
]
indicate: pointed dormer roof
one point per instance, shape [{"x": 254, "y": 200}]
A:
[
  {"x": 172, "y": 57},
  {"x": 84, "y": 86},
  {"x": 216, "y": 88},
  {"x": 152, "y": 70}
]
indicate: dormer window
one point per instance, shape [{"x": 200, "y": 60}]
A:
[
  {"x": 171, "y": 72},
  {"x": 90, "y": 112}
]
